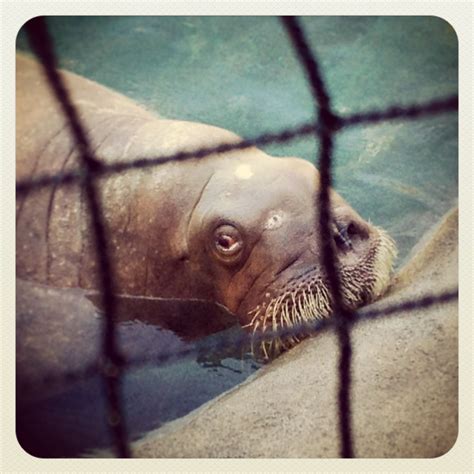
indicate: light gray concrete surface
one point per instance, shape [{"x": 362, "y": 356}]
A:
[{"x": 404, "y": 392}]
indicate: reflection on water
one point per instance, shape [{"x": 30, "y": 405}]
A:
[
  {"x": 67, "y": 420},
  {"x": 189, "y": 320}
]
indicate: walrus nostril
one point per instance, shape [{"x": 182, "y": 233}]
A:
[
  {"x": 346, "y": 234},
  {"x": 342, "y": 238},
  {"x": 357, "y": 230},
  {"x": 351, "y": 230}
]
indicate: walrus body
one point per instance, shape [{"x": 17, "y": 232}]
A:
[{"x": 237, "y": 228}]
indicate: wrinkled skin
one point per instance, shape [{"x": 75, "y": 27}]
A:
[{"x": 234, "y": 228}]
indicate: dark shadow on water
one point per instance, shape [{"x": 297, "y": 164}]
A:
[
  {"x": 190, "y": 320},
  {"x": 67, "y": 420}
]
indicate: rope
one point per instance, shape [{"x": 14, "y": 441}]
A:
[
  {"x": 436, "y": 107},
  {"x": 112, "y": 361},
  {"x": 328, "y": 122},
  {"x": 245, "y": 340}
]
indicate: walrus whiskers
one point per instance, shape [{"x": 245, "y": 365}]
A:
[{"x": 307, "y": 297}]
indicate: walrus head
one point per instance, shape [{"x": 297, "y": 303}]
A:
[
  {"x": 258, "y": 224},
  {"x": 239, "y": 228}
]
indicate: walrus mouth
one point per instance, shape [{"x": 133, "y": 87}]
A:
[{"x": 305, "y": 298}]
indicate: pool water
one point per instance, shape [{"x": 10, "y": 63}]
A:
[{"x": 176, "y": 362}]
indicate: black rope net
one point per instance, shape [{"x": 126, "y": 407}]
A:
[{"x": 324, "y": 127}]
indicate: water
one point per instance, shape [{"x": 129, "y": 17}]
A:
[
  {"x": 68, "y": 419},
  {"x": 241, "y": 73}
]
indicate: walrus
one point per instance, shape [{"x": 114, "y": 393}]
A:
[{"x": 238, "y": 228}]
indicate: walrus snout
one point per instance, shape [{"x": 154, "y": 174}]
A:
[{"x": 364, "y": 258}]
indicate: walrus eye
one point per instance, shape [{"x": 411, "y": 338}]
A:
[{"x": 227, "y": 241}]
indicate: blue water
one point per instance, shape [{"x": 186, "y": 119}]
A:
[{"x": 241, "y": 73}]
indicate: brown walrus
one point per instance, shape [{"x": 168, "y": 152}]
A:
[{"x": 237, "y": 228}]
